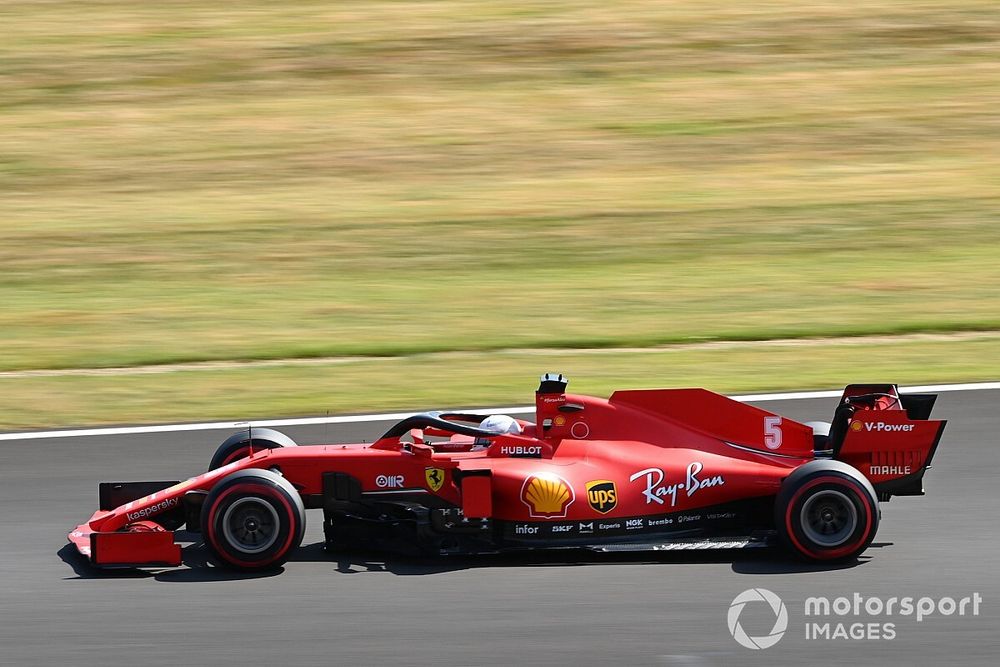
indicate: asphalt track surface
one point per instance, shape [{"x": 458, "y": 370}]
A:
[{"x": 367, "y": 609}]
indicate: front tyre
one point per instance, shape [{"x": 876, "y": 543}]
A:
[
  {"x": 238, "y": 445},
  {"x": 827, "y": 511},
  {"x": 253, "y": 520}
]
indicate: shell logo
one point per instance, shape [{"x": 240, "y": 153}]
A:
[
  {"x": 856, "y": 426},
  {"x": 547, "y": 496}
]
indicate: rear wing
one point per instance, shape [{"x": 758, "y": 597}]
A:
[{"x": 886, "y": 435}]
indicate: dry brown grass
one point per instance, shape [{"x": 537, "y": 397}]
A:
[{"x": 256, "y": 180}]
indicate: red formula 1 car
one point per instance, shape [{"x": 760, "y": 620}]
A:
[{"x": 650, "y": 469}]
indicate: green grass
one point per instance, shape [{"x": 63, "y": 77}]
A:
[
  {"x": 182, "y": 181},
  {"x": 474, "y": 379}
]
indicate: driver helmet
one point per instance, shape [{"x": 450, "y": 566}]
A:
[{"x": 501, "y": 424}]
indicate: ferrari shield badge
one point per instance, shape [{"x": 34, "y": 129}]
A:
[{"x": 434, "y": 477}]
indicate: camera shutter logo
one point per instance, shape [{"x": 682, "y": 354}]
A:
[{"x": 777, "y": 607}]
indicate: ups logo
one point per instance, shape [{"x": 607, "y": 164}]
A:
[{"x": 602, "y": 495}]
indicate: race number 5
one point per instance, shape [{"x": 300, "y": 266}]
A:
[{"x": 772, "y": 432}]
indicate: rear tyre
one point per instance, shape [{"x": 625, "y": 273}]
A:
[
  {"x": 252, "y": 520},
  {"x": 826, "y": 511},
  {"x": 237, "y": 446}
]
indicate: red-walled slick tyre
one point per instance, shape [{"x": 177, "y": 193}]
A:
[
  {"x": 237, "y": 446},
  {"x": 253, "y": 520},
  {"x": 826, "y": 511}
]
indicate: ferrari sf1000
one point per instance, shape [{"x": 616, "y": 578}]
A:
[{"x": 643, "y": 470}]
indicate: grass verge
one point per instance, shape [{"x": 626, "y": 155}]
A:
[
  {"x": 475, "y": 379},
  {"x": 184, "y": 181}
]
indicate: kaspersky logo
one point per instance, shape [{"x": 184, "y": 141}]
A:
[
  {"x": 547, "y": 496},
  {"x": 772, "y": 607},
  {"x": 150, "y": 511}
]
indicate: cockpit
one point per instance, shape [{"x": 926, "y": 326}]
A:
[{"x": 455, "y": 431}]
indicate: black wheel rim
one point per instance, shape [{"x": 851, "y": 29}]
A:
[
  {"x": 250, "y": 525},
  {"x": 828, "y": 518}
]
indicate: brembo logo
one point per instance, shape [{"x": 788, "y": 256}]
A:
[{"x": 150, "y": 511}]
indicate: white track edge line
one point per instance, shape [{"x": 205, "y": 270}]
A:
[{"x": 390, "y": 416}]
